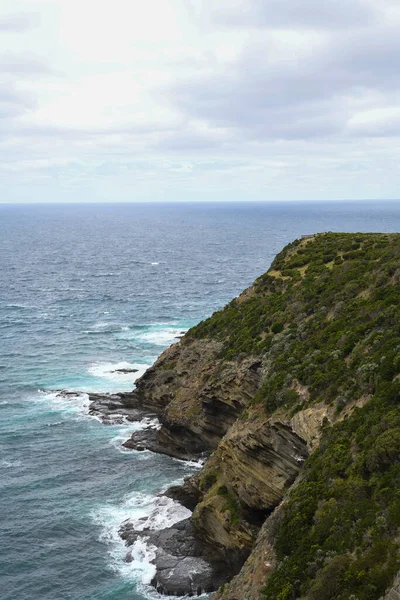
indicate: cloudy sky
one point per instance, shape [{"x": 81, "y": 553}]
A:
[{"x": 179, "y": 100}]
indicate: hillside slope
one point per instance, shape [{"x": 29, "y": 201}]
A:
[{"x": 293, "y": 390}]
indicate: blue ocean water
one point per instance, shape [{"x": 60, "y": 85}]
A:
[{"x": 84, "y": 290}]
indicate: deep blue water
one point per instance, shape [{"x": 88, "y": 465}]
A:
[{"x": 83, "y": 289}]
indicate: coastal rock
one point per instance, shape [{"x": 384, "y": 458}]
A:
[
  {"x": 196, "y": 395},
  {"x": 187, "y": 494},
  {"x": 247, "y": 584},
  {"x": 258, "y": 387},
  {"x": 150, "y": 439},
  {"x": 184, "y": 566},
  {"x": 184, "y": 576},
  {"x": 241, "y": 484},
  {"x": 110, "y": 408},
  {"x": 260, "y": 462},
  {"x": 394, "y": 592}
]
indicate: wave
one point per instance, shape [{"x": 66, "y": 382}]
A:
[
  {"x": 160, "y": 336},
  {"x": 114, "y": 371},
  {"x": 126, "y": 430},
  {"x": 76, "y": 404},
  {"x": 8, "y": 464},
  {"x": 193, "y": 465},
  {"x": 143, "y": 512},
  {"x": 103, "y": 327},
  {"x": 20, "y": 306}
]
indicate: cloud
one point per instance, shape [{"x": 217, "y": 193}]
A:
[
  {"x": 17, "y": 23},
  {"x": 13, "y": 103},
  {"x": 272, "y": 92},
  {"x": 377, "y": 122},
  {"x": 23, "y": 65},
  {"x": 308, "y": 14},
  {"x": 234, "y": 99}
]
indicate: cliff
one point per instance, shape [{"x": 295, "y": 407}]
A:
[{"x": 292, "y": 393}]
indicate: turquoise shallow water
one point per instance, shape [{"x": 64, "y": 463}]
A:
[{"x": 86, "y": 289}]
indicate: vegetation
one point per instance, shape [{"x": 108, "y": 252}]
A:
[
  {"x": 326, "y": 316},
  {"x": 231, "y": 505},
  {"x": 325, "y": 319},
  {"x": 338, "y": 538}
]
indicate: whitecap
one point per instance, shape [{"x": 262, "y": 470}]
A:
[
  {"x": 20, "y": 306},
  {"x": 8, "y": 464},
  {"x": 155, "y": 263},
  {"x": 110, "y": 371},
  {"x": 161, "y": 337},
  {"x": 76, "y": 404},
  {"x": 194, "y": 464},
  {"x": 3, "y": 402}
]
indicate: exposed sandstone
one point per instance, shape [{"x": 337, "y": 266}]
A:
[{"x": 196, "y": 395}]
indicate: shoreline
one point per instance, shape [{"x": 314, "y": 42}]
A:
[{"x": 184, "y": 565}]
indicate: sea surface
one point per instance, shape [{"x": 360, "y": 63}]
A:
[{"x": 85, "y": 290}]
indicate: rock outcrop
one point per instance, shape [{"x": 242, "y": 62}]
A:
[
  {"x": 255, "y": 390},
  {"x": 184, "y": 565},
  {"x": 196, "y": 395}
]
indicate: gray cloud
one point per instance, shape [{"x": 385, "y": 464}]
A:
[
  {"x": 314, "y": 80},
  {"x": 23, "y": 65},
  {"x": 17, "y": 23},
  {"x": 296, "y": 98},
  {"x": 184, "y": 140},
  {"x": 330, "y": 14}
]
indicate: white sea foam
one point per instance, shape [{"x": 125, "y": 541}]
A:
[
  {"x": 76, "y": 404},
  {"x": 9, "y": 464},
  {"x": 110, "y": 372},
  {"x": 155, "y": 263},
  {"x": 144, "y": 512},
  {"x": 3, "y": 402},
  {"x": 193, "y": 464},
  {"x": 125, "y": 431},
  {"x": 161, "y": 337},
  {"x": 103, "y": 327}
]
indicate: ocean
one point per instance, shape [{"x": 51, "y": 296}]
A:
[{"x": 86, "y": 289}]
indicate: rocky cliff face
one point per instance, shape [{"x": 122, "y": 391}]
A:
[
  {"x": 203, "y": 405},
  {"x": 196, "y": 395},
  {"x": 255, "y": 388}
]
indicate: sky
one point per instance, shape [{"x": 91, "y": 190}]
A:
[{"x": 199, "y": 100}]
